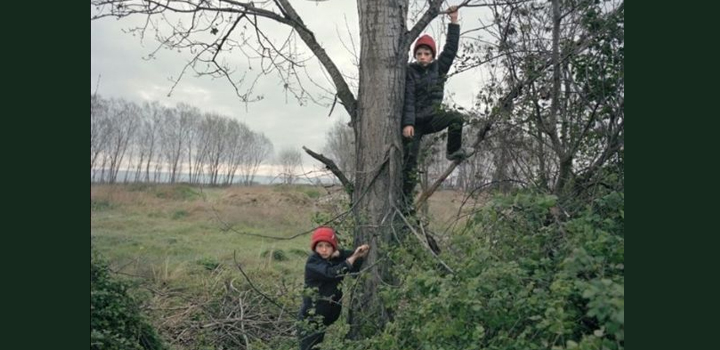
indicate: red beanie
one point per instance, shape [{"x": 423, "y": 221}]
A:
[
  {"x": 324, "y": 234},
  {"x": 425, "y": 40}
]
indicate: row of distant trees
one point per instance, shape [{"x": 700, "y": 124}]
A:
[{"x": 155, "y": 143}]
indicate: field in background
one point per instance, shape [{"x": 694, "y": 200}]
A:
[
  {"x": 178, "y": 235},
  {"x": 173, "y": 231}
]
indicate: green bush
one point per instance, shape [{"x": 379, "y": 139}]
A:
[
  {"x": 312, "y": 193},
  {"x": 116, "y": 322},
  {"x": 209, "y": 264},
  {"x": 276, "y": 254},
  {"x": 303, "y": 253},
  {"x": 177, "y": 192},
  {"x": 179, "y": 214},
  {"x": 523, "y": 280}
]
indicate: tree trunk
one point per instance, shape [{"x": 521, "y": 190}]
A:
[
  {"x": 378, "y": 185},
  {"x": 564, "y": 176}
]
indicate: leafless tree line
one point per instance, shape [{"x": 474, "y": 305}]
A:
[{"x": 153, "y": 143}]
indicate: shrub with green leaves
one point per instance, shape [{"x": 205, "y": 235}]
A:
[
  {"x": 116, "y": 322},
  {"x": 526, "y": 277},
  {"x": 275, "y": 254},
  {"x": 177, "y": 192}
]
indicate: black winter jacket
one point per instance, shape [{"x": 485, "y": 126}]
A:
[
  {"x": 424, "y": 86},
  {"x": 326, "y": 275}
]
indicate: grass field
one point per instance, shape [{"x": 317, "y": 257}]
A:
[{"x": 173, "y": 231}]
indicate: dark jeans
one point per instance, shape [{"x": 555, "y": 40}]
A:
[
  {"x": 328, "y": 311},
  {"x": 452, "y": 120},
  {"x": 308, "y": 339}
]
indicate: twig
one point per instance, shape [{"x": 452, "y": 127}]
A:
[
  {"x": 333, "y": 105},
  {"x": 423, "y": 242},
  {"x": 242, "y": 323},
  {"x": 251, "y": 284},
  {"x": 482, "y": 134}
]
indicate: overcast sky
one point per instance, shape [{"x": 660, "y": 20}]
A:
[{"x": 118, "y": 58}]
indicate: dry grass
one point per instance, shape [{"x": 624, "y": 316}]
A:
[
  {"x": 449, "y": 210},
  {"x": 172, "y": 233}
]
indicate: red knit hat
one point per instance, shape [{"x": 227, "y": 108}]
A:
[
  {"x": 425, "y": 40},
  {"x": 324, "y": 234}
]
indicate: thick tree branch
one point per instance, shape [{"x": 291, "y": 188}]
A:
[{"x": 330, "y": 164}]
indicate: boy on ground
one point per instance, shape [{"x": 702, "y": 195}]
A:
[{"x": 324, "y": 270}]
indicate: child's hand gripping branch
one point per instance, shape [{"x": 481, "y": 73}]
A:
[
  {"x": 360, "y": 252},
  {"x": 452, "y": 11}
]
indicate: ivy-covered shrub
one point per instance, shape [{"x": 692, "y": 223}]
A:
[{"x": 116, "y": 322}]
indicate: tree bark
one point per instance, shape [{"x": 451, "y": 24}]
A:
[{"x": 378, "y": 185}]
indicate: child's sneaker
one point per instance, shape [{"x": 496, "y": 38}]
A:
[{"x": 460, "y": 154}]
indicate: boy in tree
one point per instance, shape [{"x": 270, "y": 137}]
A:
[{"x": 422, "y": 113}]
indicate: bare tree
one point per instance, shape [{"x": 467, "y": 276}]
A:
[
  {"x": 172, "y": 142},
  {"x": 191, "y": 118},
  {"x": 561, "y": 88},
  {"x": 259, "y": 150},
  {"x": 289, "y": 159},
  {"x": 145, "y": 140},
  {"x": 570, "y": 119},
  {"x": 217, "y": 129},
  {"x": 99, "y": 128},
  {"x": 176, "y": 130},
  {"x": 239, "y": 138},
  {"x": 205, "y": 137},
  {"x": 153, "y": 113},
  {"x": 124, "y": 116},
  {"x": 158, "y": 164}
]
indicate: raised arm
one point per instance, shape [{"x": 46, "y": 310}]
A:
[{"x": 452, "y": 42}]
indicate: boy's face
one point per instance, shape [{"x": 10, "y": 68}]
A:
[
  {"x": 423, "y": 55},
  {"x": 324, "y": 249}
]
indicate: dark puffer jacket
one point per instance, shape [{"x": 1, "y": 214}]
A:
[
  {"x": 424, "y": 86},
  {"x": 326, "y": 275}
]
